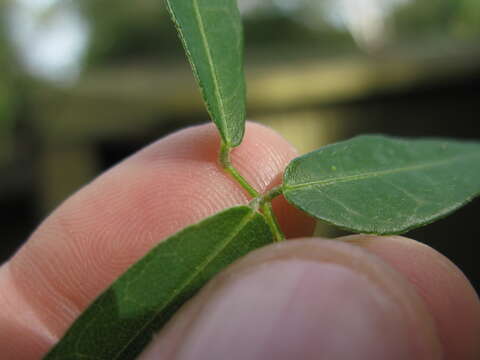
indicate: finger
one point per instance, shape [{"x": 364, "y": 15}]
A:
[
  {"x": 306, "y": 299},
  {"x": 105, "y": 227},
  {"x": 448, "y": 294}
]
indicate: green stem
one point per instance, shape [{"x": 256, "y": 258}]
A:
[
  {"x": 272, "y": 221},
  {"x": 227, "y": 165},
  {"x": 273, "y": 193},
  {"x": 264, "y": 202}
]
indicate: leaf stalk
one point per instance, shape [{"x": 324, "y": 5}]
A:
[
  {"x": 264, "y": 203},
  {"x": 273, "y": 193},
  {"x": 272, "y": 221},
  {"x": 229, "y": 168}
]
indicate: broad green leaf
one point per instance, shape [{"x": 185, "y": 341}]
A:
[
  {"x": 121, "y": 322},
  {"x": 381, "y": 185},
  {"x": 212, "y": 35}
]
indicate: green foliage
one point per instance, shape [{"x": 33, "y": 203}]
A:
[
  {"x": 6, "y": 104},
  {"x": 380, "y": 185},
  {"x": 123, "y": 319},
  {"x": 437, "y": 19},
  {"x": 211, "y": 32},
  {"x": 134, "y": 30},
  {"x": 6, "y": 125}
]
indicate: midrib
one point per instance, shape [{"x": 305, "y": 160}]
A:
[
  {"x": 217, "y": 89},
  {"x": 377, "y": 173},
  {"x": 192, "y": 277}
]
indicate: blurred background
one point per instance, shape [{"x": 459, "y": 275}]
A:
[{"x": 84, "y": 83}]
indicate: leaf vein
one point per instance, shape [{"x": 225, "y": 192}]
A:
[
  {"x": 190, "y": 279},
  {"x": 374, "y": 174},
  {"x": 206, "y": 44}
]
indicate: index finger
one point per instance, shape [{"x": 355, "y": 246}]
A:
[{"x": 109, "y": 224}]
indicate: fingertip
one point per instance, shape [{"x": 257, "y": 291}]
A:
[
  {"x": 262, "y": 141},
  {"x": 446, "y": 291},
  {"x": 110, "y": 223},
  {"x": 303, "y": 299},
  {"x": 261, "y": 159}
]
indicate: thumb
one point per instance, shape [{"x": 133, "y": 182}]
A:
[{"x": 307, "y": 299}]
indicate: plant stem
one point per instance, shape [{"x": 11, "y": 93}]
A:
[
  {"x": 227, "y": 165},
  {"x": 264, "y": 202},
  {"x": 272, "y": 221},
  {"x": 273, "y": 193}
]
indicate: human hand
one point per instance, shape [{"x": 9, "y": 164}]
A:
[{"x": 361, "y": 297}]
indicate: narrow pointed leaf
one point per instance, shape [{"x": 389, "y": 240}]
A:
[
  {"x": 123, "y": 319},
  {"x": 381, "y": 185},
  {"x": 212, "y": 35}
]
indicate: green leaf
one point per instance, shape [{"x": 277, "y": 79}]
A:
[
  {"x": 121, "y": 322},
  {"x": 212, "y": 35},
  {"x": 381, "y": 185}
]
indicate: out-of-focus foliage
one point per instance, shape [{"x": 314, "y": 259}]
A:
[
  {"x": 6, "y": 99},
  {"x": 468, "y": 18},
  {"x": 459, "y": 19},
  {"x": 124, "y": 29},
  {"x": 143, "y": 30}
]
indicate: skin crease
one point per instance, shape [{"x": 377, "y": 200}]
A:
[
  {"x": 109, "y": 224},
  {"x": 415, "y": 317},
  {"x": 444, "y": 288}
]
